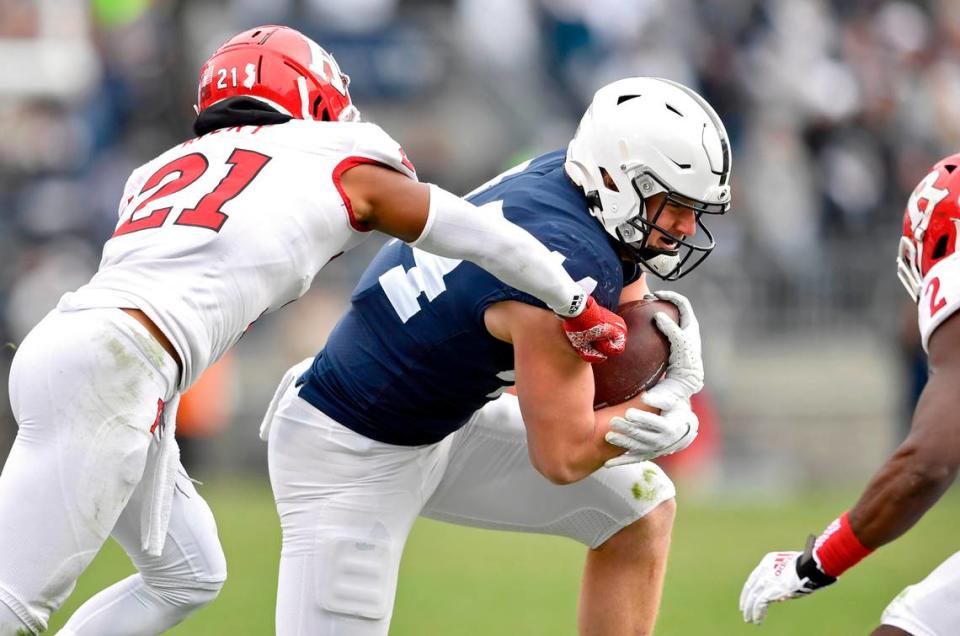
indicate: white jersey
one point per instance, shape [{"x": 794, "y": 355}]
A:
[
  {"x": 939, "y": 296},
  {"x": 226, "y": 227}
]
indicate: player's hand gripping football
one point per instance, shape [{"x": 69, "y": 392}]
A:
[
  {"x": 647, "y": 435},
  {"x": 781, "y": 576},
  {"x": 684, "y": 376},
  {"x": 596, "y": 332}
]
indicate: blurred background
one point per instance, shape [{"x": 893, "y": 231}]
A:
[{"x": 835, "y": 110}]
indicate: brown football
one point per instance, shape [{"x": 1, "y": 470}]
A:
[{"x": 641, "y": 365}]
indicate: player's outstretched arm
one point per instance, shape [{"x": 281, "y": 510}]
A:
[
  {"x": 907, "y": 485},
  {"x": 436, "y": 221},
  {"x": 566, "y": 437},
  {"x": 926, "y": 463}
]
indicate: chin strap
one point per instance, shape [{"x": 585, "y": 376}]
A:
[{"x": 661, "y": 263}]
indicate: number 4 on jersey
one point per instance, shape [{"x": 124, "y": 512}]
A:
[{"x": 244, "y": 166}]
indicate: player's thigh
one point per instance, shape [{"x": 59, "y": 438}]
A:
[
  {"x": 191, "y": 554},
  {"x": 80, "y": 375},
  {"x": 327, "y": 473},
  {"x": 930, "y": 607},
  {"x": 346, "y": 506},
  {"x": 85, "y": 392},
  {"x": 84, "y": 395},
  {"x": 489, "y": 482}
]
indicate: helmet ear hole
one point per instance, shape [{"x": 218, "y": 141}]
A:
[
  {"x": 317, "y": 106},
  {"x": 940, "y": 249},
  {"x": 608, "y": 180}
]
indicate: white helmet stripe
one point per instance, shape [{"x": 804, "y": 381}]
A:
[
  {"x": 304, "y": 97},
  {"x": 325, "y": 67}
]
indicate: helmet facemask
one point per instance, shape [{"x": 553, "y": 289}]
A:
[
  {"x": 908, "y": 267},
  {"x": 636, "y": 233}
]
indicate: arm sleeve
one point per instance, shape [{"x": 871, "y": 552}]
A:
[{"x": 455, "y": 229}]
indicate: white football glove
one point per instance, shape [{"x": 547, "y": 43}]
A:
[
  {"x": 781, "y": 576},
  {"x": 684, "y": 376},
  {"x": 647, "y": 435}
]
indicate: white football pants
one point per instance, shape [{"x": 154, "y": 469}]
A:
[
  {"x": 932, "y": 606},
  {"x": 84, "y": 389},
  {"x": 347, "y": 504}
]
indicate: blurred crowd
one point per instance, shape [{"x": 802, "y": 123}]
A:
[{"x": 835, "y": 109}]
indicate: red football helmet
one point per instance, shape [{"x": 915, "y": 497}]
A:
[
  {"x": 930, "y": 223},
  {"x": 282, "y": 68}
]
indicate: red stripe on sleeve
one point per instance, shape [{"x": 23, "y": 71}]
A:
[{"x": 343, "y": 166}]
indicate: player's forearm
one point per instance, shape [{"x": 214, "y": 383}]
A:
[
  {"x": 564, "y": 450},
  {"x": 455, "y": 229},
  {"x": 908, "y": 485},
  {"x": 578, "y": 447},
  {"x": 918, "y": 473}
]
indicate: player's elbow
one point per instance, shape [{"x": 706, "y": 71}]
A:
[
  {"x": 558, "y": 473},
  {"x": 559, "y": 468},
  {"x": 561, "y": 444}
]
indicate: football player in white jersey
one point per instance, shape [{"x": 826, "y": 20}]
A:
[
  {"x": 925, "y": 464},
  {"x": 212, "y": 234}
]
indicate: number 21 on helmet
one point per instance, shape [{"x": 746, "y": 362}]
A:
[{"x": 282, "y": 68}]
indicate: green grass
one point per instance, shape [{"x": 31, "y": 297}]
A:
[{"x": 461, "y": 581}]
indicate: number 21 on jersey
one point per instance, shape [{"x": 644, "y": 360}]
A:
[{"x": 245, "y": 165}]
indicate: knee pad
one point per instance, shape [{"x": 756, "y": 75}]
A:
[{"x": 357, "y": 577}]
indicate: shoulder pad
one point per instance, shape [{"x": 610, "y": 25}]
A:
[{"x": 372, "y": 142}]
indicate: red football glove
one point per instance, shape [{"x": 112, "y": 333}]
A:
[{"x": 596, "y": 332}]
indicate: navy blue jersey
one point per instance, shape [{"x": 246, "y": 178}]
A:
[{"x": 412, "y": 359}]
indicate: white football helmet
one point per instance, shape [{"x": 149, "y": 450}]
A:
[{"x": 652, "y": 135}]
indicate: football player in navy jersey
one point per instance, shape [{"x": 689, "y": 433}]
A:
[{"x": 403, "y": 413}]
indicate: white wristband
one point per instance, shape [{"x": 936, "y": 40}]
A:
[{"x": 457, "y": 229}]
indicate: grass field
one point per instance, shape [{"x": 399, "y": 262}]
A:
[{"x": 460, "y": 581}]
